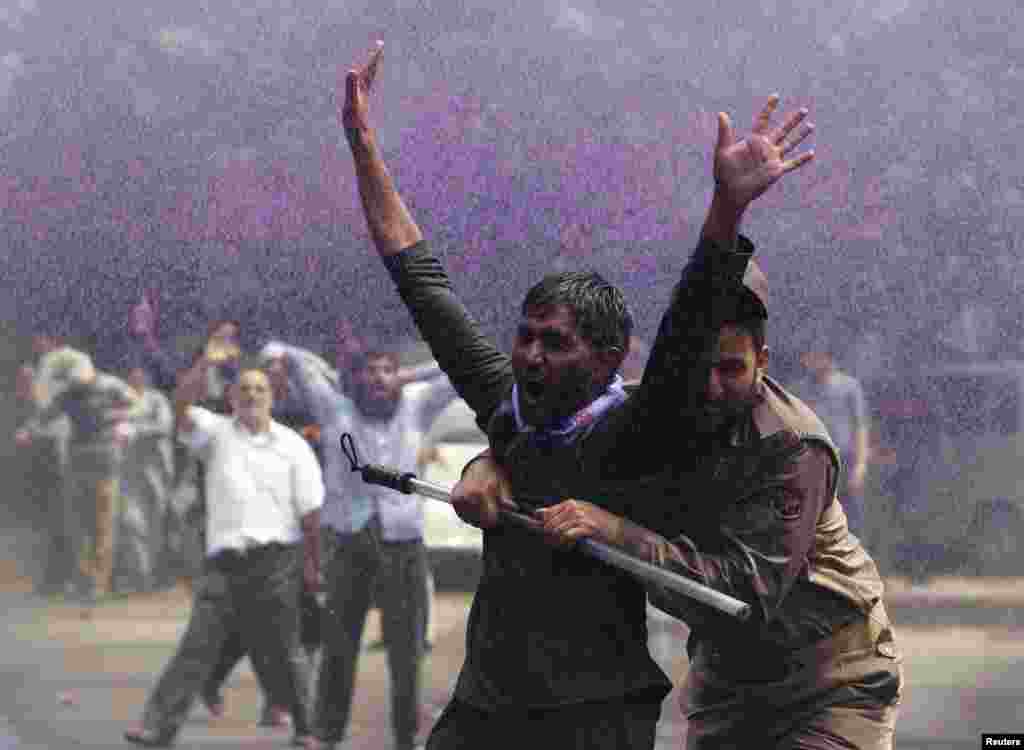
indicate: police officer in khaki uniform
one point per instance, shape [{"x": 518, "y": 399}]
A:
[{"x": 753, "y": 513}]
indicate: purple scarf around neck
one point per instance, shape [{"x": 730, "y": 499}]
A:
[{"x": 565, "y": 431}]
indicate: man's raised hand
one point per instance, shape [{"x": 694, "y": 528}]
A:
[
  {"x": 745, "y": 169},
  {"x": 358, "y": 83},
  {"x": 389, "y": 221}
]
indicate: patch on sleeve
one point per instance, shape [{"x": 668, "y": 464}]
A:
[{"x": 787, "y": 506}]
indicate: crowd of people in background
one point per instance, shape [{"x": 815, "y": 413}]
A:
[
  {"x": 123, "y": 505},
  {"x": 126, "y": 504}
]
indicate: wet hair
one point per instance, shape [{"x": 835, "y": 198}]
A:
[{"x": 602, "y": 316}]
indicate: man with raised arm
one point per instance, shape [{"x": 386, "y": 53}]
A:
[
  {"x": 557, "y": 644},
  {"x": 375, "y": 534},
  {"x": 264, "y": 494}
]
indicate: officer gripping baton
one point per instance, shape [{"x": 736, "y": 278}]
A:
[{"x": 407, "y": 483}]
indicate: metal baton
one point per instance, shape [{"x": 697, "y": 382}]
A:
[{"x": 408, "y": 484}]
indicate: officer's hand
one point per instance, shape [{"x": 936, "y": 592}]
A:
[
  {"x": 482, "y": 492},
  {"x": 571, "y": 520},
  {"x": 23, "y": 438}
]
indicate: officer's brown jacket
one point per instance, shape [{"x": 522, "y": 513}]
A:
[
  {"x": 761, "y": 521},
  {"x": 765, "y": 525}
]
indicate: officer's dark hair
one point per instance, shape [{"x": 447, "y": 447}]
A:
[
  {"x": 746, "y": 313},
  {"x": 602, "y": 316}
]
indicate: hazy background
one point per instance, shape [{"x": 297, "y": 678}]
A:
[{"x": 192, "y": 149}]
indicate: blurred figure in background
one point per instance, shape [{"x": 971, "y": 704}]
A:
[
  {"x": 147, "y": 473},
  {"x": 38, "y": 469},
  {"x": 223, "y": 354},
  {"x": 291, "y": 405},
  {"x": 98, "y": 406},
  {"x": 145, "y": 348},
  {"x": 838, "y": 400},
  {"x": 48, "y": 449},
  {"x": 348, "y": 347}
]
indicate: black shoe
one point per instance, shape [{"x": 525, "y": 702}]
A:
[{"x": 150, "y": 737}]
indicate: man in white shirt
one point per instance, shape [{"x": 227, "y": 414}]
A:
[{"x": 264, "y": 489}]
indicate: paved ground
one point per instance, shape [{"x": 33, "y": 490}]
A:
[{"x": 67, "y": 682}]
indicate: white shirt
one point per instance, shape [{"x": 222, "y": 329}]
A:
[
  {"x": 258, "y": 485},
  {"x": 393, "y": 442}
]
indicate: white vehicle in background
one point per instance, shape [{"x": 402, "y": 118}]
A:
[{"x": 453, "y": 546}]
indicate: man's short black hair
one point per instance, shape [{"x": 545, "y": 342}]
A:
[
  {"x": 602, "y": 316},
  {"x": 361, "y": 360},
  {"x": 743, "y": 310}
]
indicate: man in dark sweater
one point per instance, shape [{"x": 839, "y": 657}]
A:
[{"x": 556, "y": 644}]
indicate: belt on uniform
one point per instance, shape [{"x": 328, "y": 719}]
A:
[
  {"x": 234, "y": 557},
  {"x": 769, "y": 664}
]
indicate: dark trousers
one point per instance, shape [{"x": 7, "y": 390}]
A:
[
  {"x": 257, "y": 595},
  {"x": 839, "y": 693},
  {"x": 863, "y": 724},
  {"x": 60, "y": 565},
  {"x": 627, "y": 723},
  {"x": 362, "y": 565},
  {"x": 234, "y": 649}
]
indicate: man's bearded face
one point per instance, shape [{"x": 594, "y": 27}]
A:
[
  {"x": 735, "y": 369},
  {"x": 557, "y": 371},
  {"x": 377, "y": 387}
]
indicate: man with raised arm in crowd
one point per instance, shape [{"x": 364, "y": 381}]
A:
[
  {"x": 44, "y": 459},
  {"x": 556, "y": 644},
  {"x": 264, "y": 492},
  {"x": 375, "y": 534}
]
